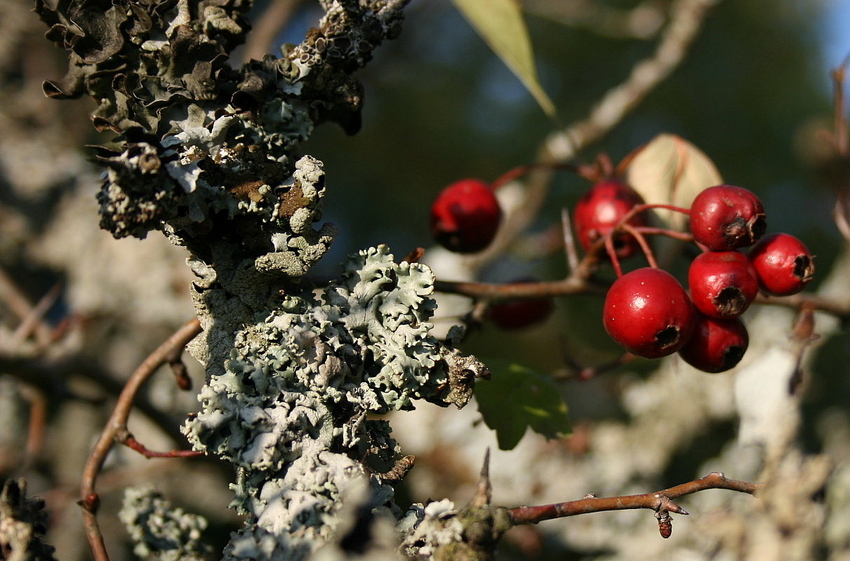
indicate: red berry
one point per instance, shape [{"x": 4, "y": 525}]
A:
[
  {"x": 727, "y": 217},
  {"x": 722, "y": 283},
  {"x": 466, "y": 216},
  {"x": 518, "y": 314},
  {"x": 783, "y": 264},
  {"x": 716, "y": 344},
  {"x": 601, "y": 208},
  {"x": 649, "y": 313}
]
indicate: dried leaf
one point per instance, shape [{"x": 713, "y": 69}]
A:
[
  {"x": 501, "y": 25},
  {"x": 670, "y": 170}
]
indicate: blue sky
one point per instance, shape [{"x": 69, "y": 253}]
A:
[{"x": 836, "y": 35}]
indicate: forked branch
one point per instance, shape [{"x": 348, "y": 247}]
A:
[{"x": 661, "y": 502}]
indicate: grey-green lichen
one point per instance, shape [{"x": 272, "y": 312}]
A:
[
  {"x": 23, "y": 523},
  {"x": 291, "y": 406},
  {"x": 159, "y": 529},
  {"x": 196, "y": 139},
  {"x": 209, "y": 155}
]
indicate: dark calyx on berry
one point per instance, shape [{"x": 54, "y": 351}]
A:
[
  {"x": 783, "y": 264},
  {"x": 466, "y": 216},
  {"x": 727, "y": 217},
  {"x": 717, "y": 344},
  {"x": 722, "y": 283},
  {"x": 648, "y": 313}
]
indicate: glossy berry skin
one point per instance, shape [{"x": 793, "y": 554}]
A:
[
  {"x": 512, "y": 315},
  {"x": 783, "y": 264},
  {"x": 648, "y": 313},
  {"x": 716, "y": 345},
  {"x": 600, "y": 209},
  {"x": 466, "y": 216},
  {"x": 727, "y": 217},
  {"x": 722, "y": 283}
]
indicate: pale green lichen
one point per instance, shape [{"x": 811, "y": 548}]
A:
[
  {"x": 209, "y": 155},
  {"x": 159, "y": 529},
  {"x": 290, "y": 408}
]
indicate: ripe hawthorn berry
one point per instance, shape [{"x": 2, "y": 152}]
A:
[
  {"x": 717, "y": 344},
  {"x": 722, "y": 283},
  {"x": 518, "y": 314},
  {"x": 601, "y": 208},
  {"x": 465, "y": 216},
  {"x": 727, "y": 217},
  {"x": 783, "y": 264},
  {"x": 649, "y": 313}
]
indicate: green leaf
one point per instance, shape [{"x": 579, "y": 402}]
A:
[
  {"x": 516, "y": 398},
  {"x": 501, "y": 25}
]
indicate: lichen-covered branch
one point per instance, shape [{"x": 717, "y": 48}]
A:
[{"x": 209, "y": 155}]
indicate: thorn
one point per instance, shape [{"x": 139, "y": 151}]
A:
[{"x": 484, "y": 492}]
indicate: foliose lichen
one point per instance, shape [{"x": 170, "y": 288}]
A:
[
  {"x": 209, "y": 155},
  {"x": 157, "y": 528},
  {"x": 291, "y": 407}
]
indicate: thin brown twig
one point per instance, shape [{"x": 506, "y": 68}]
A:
[
  {"x": 267, "y": 27},
  {"x": 117, "y": 423},
  {"x": 576, "y": 284},
  {"x": 658, "y": 501},
  {"x": 569, "y": 241},
  {"x": 34, "y": 323},
  {"x": 839, "y": 116},
  {"x": 37, "y": 422},
  {"x": 510, "y": 291},
  {"x": 128, "y": 440},
  {"x": 685, "y": 22},
  {"x": 577, "y": 371},
  {"x": 22, "y": 307}
]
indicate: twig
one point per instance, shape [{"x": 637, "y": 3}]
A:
[
  {"x": 510, "y": 291},
  {"x": 569, "y": 241},
  {"x": 117, "y": 423},
  {"x": 582, "y": 373},
  {"x": 685, "y": 22},
  {"x": 840, "y": 143},
  {"x": 34, "y": 324},
  {"x": 839, "y": 117},
  {"x": 661, "y": 501},
  {"x": 21, "y": 306},
  {"x": 127, "y": 439},
  {"x": 642, "y": 21},
  {"x": 37, "y": 422},
  {"x": 267, "y": 27}
]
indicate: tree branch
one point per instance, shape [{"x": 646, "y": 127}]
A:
[
  {"x": 661, "y": 501},
  {"x": 117, "y": 425}
]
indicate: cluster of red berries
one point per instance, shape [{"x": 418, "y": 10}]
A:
[
  {"x": 647, "y": 311},
  {"x": 650, "y": 314}
]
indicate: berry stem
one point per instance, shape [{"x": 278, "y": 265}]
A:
[
  {"x": 652, "y": 231},
  {"x": 525, "y": 169},
  {"x": 569, "y": 241},
  {"x": 612, "y": 252},
  {"x": 644, "y": 246}
]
